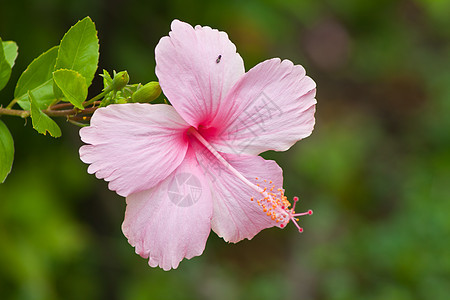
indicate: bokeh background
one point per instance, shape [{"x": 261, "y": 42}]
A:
[{"x": 376, "y": 170}]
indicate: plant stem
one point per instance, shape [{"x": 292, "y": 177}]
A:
[
  {"x": 14, "y": 112},
  {"x": 56, "y": 110},
  {"x": 61, "y": 113},
  {"x": 51, "y": 112},
  {"x": 11, "y": 104},
  {"x": 79, "y": 124},
  {"x": 92, "y": 100},
  {"x": 61, "y": 105}
]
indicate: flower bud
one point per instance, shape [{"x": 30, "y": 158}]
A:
[
  {"x": 120, "y": 80},
  {"x": 121, "y": 101},
  {"x": 147, "y": 93}
]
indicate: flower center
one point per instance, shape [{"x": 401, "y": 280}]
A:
[{"x": 273, "y": 202}]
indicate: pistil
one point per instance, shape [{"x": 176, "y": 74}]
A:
[{"x": 274, "y": 203}]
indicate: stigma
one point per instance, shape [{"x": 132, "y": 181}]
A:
[{"x": 276, "y": 206}]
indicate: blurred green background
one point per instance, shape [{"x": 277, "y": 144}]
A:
[{"x": 376, "y": 170}]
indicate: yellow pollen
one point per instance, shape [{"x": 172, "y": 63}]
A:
[{"x": 275, "y": 204}]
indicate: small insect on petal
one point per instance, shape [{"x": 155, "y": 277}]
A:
[{"x": 218, "y": 59}]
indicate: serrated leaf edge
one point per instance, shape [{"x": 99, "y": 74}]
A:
[
  {"x": 30, "y": 98},
  {"x": 27, "y": 70},
  {"x": 67, "y": 32}
]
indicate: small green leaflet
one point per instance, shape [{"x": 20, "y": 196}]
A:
[
  {"x": 11, "y": 51},
  {"x": 37, "y": 78},
  {"x": 72, "y": 85},
  {"x": 8, "y": 54},
  {"x": 107, "y": 79},
  {"x": 6, "y": 151},
  {"x": 41, "y": 122}
]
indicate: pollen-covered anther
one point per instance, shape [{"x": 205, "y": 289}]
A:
[{"x": 276, "y": 205}]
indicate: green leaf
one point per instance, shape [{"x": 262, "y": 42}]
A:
[
  {"x": 73, "y": 86},
  {"x": 5, "y": 67},
  {"x": 6, "y": 151},
  {"x": 38, "y": 78},
  {"x": 78, "y": 50},
  {"x": 107, "y": 79},
  {"x": 41, "y": 122},
  {"x": 11, "y": 51}
]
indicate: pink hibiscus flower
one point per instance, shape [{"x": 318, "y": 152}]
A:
[{"x": 194, "y": 166}]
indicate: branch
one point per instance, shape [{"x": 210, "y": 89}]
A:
[
  {"x": 14, "y": 112},
  {"x": 52, "y": 112}
]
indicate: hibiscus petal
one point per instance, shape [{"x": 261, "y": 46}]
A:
[
  {"x": 273, "y": 108},
  {"x": 172, "y": 220},
  {"x": 134, "y": 146},
  {"x": 196, "y": 69},
  {"x": 236, "y": 216}
]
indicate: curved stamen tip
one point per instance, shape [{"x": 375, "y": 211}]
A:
[{"x": 293, "y": 215}]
